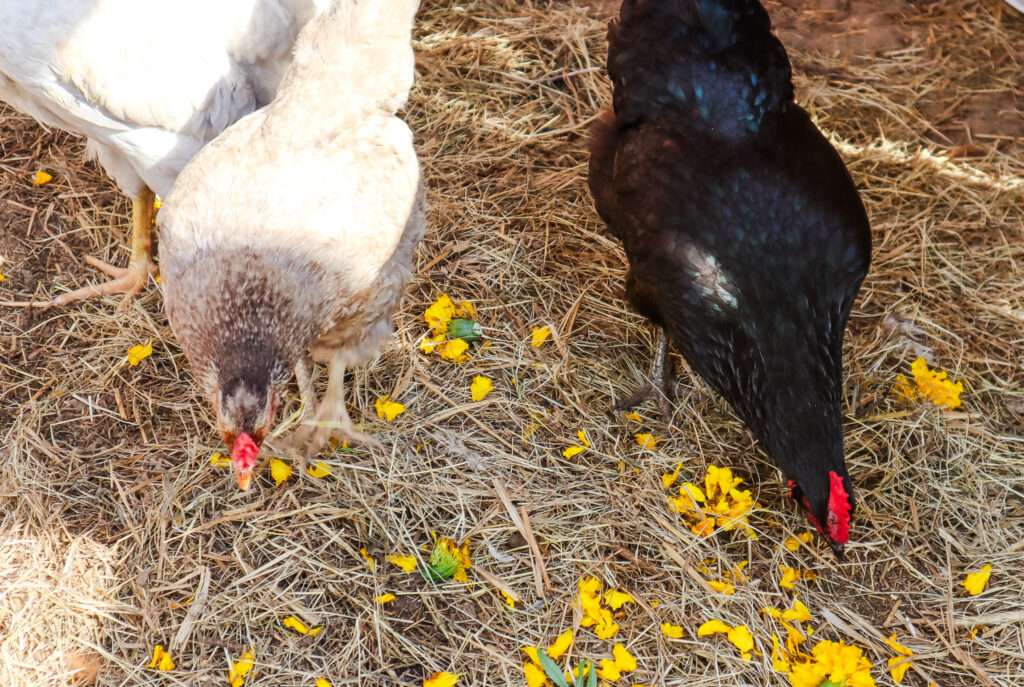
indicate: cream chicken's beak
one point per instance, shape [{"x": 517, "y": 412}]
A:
[{"x": 243, "y": 458}]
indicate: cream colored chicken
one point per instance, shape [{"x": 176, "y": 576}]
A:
[
  {"x": 292, "y": 234},
  {"x": 148, "y": 83}
]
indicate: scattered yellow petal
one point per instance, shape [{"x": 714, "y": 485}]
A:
[
  {"x": 534, "y": 675},
  {"x": 406, "y": 562},
  {"x": 385, "y": 598},
  {"x": 608, "y": 670},
  {"x": 669, "y": 478},
  {"x": 387, "y": 409},
  {"x": 138, "y": 353},
  {"x": 584, "y": 444},
  {"x": 780, "y": 663},
  {"x": 531, "y": 653},
  {"x": 655, "y": 603},
  {"x": 161, "y": 659},
  {"x": 931, "y": 385},
  {"x": 798, "y": 613},
  {"x": 439, "y": 314},
  {"x": 41, "y": 178},
  {"x": 510, "y": 600},
  {"x": 480, "y": 388},
  {"x": 742, "y": 639},
  {"x": 539, "y": 335},
  {"x": 615, "y": 599},
  {"x": 634, "y": 416},
  {"x": 898, "y": 665},
  {"x": 712, "y": 627},
  {"x": 219, "y": 460},
  {"x": 2, "y": 276},
  {"x": 793, "y": 543},
  {"x": 672, "y": 631},
  {"x": 296, "y": 625},
  {"x": 280, "y": 471},
  {"x": 790, "y": 576},
  {"x": 721, "y": 587},
  {"x": 647, "y": 441},
  {"x": 976, "y": 582},
  {"x": 318, "y": 470},
  {"x": 441, "y": 680},
  {"x": 241, "y": 668},
  {"x": 625, "y": 661},
  {"x": 371, "y": 562},
  {"x": 561, "y": 644}
]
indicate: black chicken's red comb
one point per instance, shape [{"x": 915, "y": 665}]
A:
[{"x": 838, "y": 509}]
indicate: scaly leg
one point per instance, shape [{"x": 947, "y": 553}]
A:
[
  {"x": 127, "y": 280},
  {"x": 660, "y": 387},
  {"x": 332, "y": 415}
]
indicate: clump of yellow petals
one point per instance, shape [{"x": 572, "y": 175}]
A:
[
  {"x": 161, "y": 659},
  {"x": 722, "y": 587},
  {"x": 387, "y": 409},
  {"x": 139, "y": 352},
  {"x": 480, "y": 388},
  {"x": 976, "y": 582},
  {"x": 900, "y": 663},
  {"x": 929, "y": 385},
  {"x": 539, "y": 335},
  {"x": 573, "y": 451},
  {"x": 406, "y": 562},
  {"x": 448, "y": 561},
  {"x": 738, "y": 635},
  {"x": 444, "y": 340},
  {"x": 832, "y": 663},
  {"x": 595, "y": 615},
  {"x": 646, "y": 440},
  {"x": 385, "y": 598},
  {"x": 797, "y": 613},
  {"x": 720, "y": 504},
  {"x": 295, "y": 624},
  {"x": 672, "y": 631},
  {"x": 219, "y": 460},
  {"x": 621, "y": 662},
  {"x": 790, "y": 576},
  {"x": 280, "y": 471},
  {"x": 319, "y": 470},
  {"x": 793, "y": 543},
  {"x": 441, "y": 680},
  {"x": 242, "y": 667},
  {"x": 41, "y": 178}
]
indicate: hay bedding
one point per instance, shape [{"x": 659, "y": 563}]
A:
[{"x": 113, "y": 525}]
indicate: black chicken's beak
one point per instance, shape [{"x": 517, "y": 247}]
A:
[{"x": 839, "y": 550}]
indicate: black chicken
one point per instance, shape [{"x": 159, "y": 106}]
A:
[{"x": 746, "y": 238}]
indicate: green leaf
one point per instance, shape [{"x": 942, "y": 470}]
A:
[
  {"x": 829, "y": 683},
  {"x": 592, "y": 682},
  {"x": 467, "y": 330},
  {"x": 551, "y": 669}
]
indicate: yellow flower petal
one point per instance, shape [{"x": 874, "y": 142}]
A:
[
  {"x": 606, "y": 630},
  {"x": 539, "y": 335},
  {"x": 219, "y": 460},
  {"x": 2, "y": 276},
  {"x": 385, "y": 598},
  {"x": 387, "y": 409},
  {"x": 561, "y": 644},
  {"x": 615, "y": 599},
  {"x": 793, "y": 543},
  {"x": 672, "y": 631},
  {"x": 534, "y": 675},
  {"x": 634, "y": 416},
  {"x": 669, "y": 478},
  {"x": 798, "y": 613},
  {"x": 371, "y": 562},
  {"x": 161, "y": 659},
  {"x": 406, "y": 562},
  {"x": 929, "y": 385},
  {"x": 742, "y": 639},
  {"x": 510, "y": 600},
  {"x": 480, "y": 388},
  {"x": 242, "y": 667},
  {"x": 608, "y": 670},
  {"x": 790, "y": 576},
  {"x": 624, "y": 660},
  {"x": 712, "y": 627},
  {"x": 726, "y": 588},
  {"x": 318, "y": 470},
  {"x": 976, "y": 582},
  {"x": 573, "y": 451},
  {"x": 454, "y": 350},
  {"x": 439, "y": 314},
  {"x": 898, "y": 665},
  {"x": 41, "y": 178},
  {"x": 647, "y": 441},
  {"x": 441, "y": 680},
  {"x": 531, "y": 653},
  {"x": 136, "y": 354},
  {"x": 582, "y": 436},
  {"x": 296, "y": 625},
  {"x": 280, "y": 471},
  {"x": 780, "y": 662}
]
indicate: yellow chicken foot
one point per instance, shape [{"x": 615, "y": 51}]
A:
[
  {"x": 660, "y": 388},
  {"x": 331, "y": 416},
  {"x": 127, "y": 280}
]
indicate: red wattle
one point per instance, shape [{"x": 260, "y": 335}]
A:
[
  {"x": 838, "y": 509},
  {"x": 244, "y": 452}
]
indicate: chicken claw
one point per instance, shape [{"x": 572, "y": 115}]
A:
[{"x": 661, "y": 386}]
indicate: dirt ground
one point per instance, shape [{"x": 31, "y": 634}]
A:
[{"x": 116, "y": 533}]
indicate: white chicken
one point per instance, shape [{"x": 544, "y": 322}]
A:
[
  {"x": 292, "y": 233},
  {"x": 148, "y": 83}
]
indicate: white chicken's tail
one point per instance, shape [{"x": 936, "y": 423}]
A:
[{"x": 354, "y": 58}]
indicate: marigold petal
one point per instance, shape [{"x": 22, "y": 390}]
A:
[
  {"x": 161, "y": 659},
  {"x": 976, "y": 582},
  {"x": 219, "y": 460},
  {"x": 608, "y": 670},
  {"x": 561, "y": 644},
  {"x": 139, "y": 352},
  {"x": 615, "y": 599},
  {"x": 385, "y": 598},
  {"x": 531, "y": 653},
  {"x": 387, "y": 409},
  {"x": 242, "y": 667},
  {"x": 742, "y": 639},
  {"x": 712, "y": 627},
  {"x": 319, "y": 470},
  {"x": 480, "y": 388},
  {"x": 539, "y": 335},
  {"x": 721, "y": 587},
  {"x": 280, "y": 471},
  {"x": 406, "y": 562},
  {"x": 442, "y": 679},
  {"x": 625, "y": 661},
  {"x": 534, "y": 675},
  {"x": 672, "y": 631},
  {"x": 646, "y": 440},
  {"x": 41, "y": 178}
]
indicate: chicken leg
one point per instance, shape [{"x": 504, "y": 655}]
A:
[
  {"x": 331, "y": 415},
  {"x": 127, "y": 280},
  {"x": 660, "y": 386}
]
